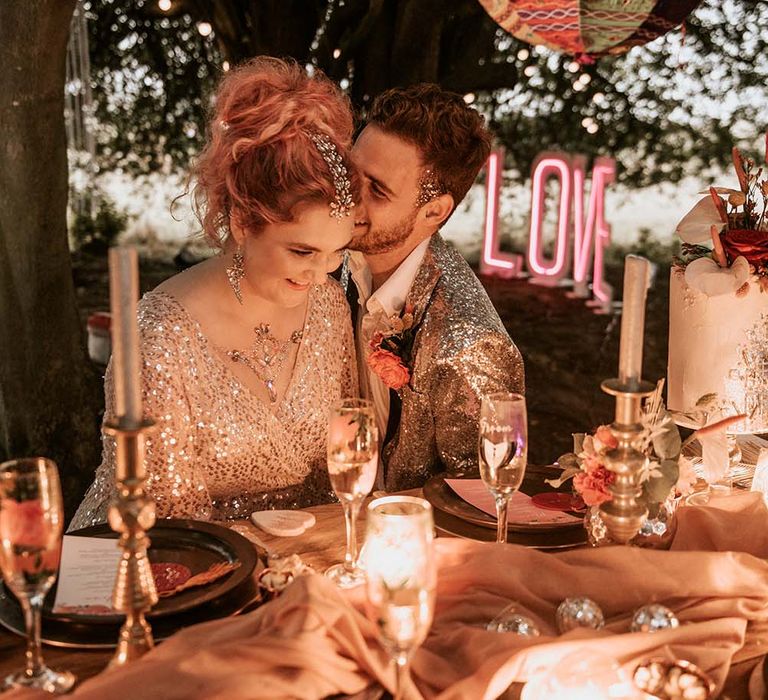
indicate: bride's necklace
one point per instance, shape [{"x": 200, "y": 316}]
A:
[{"x": 266, "y": 356}]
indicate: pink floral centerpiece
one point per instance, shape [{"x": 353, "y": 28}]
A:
[{"x": 667, "y": 474}]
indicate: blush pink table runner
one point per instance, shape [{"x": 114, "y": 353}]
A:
[{"x": 315, "y": 640}]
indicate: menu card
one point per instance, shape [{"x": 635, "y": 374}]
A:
[
  {"x": 520, "y": 510},
  {"x": 87, "y": 575}
]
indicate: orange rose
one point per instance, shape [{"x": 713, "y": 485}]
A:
[
  {"x": 606, "y": 437},
  {"x": 24, "y": 524},
  {"x": 593, "y": 486},
  {"x": 388, "y": 367}
]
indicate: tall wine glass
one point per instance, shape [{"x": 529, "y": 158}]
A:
[
  {"x": 353, "y": 457},
  {"x": 31, "y": 523},
  {"x": 503, "y": 450},
  {"x": 400, "y": 576}
]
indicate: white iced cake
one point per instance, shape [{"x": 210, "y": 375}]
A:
[{"x": 707, "y": 338}]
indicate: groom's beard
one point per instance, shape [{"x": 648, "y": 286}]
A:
[{"x": 378, "y": 241}]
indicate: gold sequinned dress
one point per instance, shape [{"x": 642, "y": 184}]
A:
[{"x": 219, "y": 451}]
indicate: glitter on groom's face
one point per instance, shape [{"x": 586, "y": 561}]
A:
[{"x": 391, "y": 168}]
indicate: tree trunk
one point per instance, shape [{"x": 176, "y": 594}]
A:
[{"x": 49, "y": 393}]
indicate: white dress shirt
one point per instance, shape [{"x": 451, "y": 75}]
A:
[{"x": 375, "y": 308}]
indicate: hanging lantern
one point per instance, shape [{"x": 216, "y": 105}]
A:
[{"x": 588, "y": 28}]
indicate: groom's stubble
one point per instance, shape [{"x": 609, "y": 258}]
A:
[{"x": 376, "y": 241}]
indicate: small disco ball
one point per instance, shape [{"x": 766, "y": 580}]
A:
[
  {"x": 579, "y": 612},
  {"x": 513, "y": 622},
  {"x": 653, "y": 618}
]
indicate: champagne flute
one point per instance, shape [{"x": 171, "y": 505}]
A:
[
  {"x": 401, "y": 576},
  {"x": 353, "y": 458},
  {"x": 503, "y": 450},
  {"x": 31, "y": 523}
]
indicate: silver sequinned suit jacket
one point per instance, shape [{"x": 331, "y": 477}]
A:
[{"x": 461, "y": 351}]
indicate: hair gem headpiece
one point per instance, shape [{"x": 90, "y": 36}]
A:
[{"x": 342, "y": 204}]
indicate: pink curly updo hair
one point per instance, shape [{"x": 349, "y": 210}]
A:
[{"x": 260, "y": 161}]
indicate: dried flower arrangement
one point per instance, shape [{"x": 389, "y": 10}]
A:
[{"x": 735, "y": 222}]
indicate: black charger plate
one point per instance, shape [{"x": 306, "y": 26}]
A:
[
  {"x": 83, "y": 635},
  {"x": 195, "y": 544}
]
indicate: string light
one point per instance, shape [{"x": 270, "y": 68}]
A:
[
  {"x": 592, "y": 128},
  {"x": 469, "y": 98},
  {"x": 164, "y": 5},
  {"x": 522, "y": 54},
  {"x": 225, "y": 66},
  {"x": 204, "y": 28},
  {"x": 336, "y": 53},
  {"x": 573, "y": 67},
  {"x": 585, "y": 78},
  {"x": 530, "y": 71}
]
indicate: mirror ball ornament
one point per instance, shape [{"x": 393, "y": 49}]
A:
[
  {"x": 513, "y": 623},
  {"x": 579, "y": 612},
  {"x": 673, "y": 680},
  {"x": 653, "y": 618}
]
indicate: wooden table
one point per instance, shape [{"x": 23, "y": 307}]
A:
[{"x": 320, "y": 547}]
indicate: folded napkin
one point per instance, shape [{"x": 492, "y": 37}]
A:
[{"x": 314, "y": 641}]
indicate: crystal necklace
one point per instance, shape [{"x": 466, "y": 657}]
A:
[{"x": 266, "y": 356}]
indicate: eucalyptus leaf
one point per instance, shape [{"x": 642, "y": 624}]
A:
[
  {"x": 569, "y": 461},
  {"x": 568, "y": 473},
  {"x": 658, "y": 488},
  {"x": 666, "y": 441}
]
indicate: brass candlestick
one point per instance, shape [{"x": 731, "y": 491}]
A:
[
  {"x": 624, "y": 515},
  {"x": 132, "y": 514}
]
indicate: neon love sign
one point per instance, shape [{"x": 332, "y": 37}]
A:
[{"x": 591, "y": 232}]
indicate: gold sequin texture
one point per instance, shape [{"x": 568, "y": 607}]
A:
[
  {"x": 462, "y": 352},
  {"x": 219, "y": 451}
]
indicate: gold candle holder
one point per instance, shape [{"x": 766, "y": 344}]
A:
[
  {"x": 623, "y": 515},
  {"x": 132, "y": 514}
]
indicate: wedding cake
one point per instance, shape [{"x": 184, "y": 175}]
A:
[
  {"x": 718, "y": 306},
  {"x": 711, "y": 338}
]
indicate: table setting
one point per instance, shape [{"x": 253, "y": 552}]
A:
[{"x": 467, "y": 587}]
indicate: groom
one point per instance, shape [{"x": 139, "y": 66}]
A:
[{"x": 430, "y": 344}]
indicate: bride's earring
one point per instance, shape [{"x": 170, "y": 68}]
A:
[{"x": 236, "y": 272}]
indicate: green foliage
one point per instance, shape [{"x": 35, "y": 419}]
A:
[
  {"x": 657, "y": 489},
  {"x": 96, "y": 232},
  {"x": 663, "y": 110},
  {"x": 666, "y": 439},
  {"x": 152, "y": 78}
]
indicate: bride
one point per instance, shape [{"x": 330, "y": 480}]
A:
[{"x": 243, "y": 354}]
